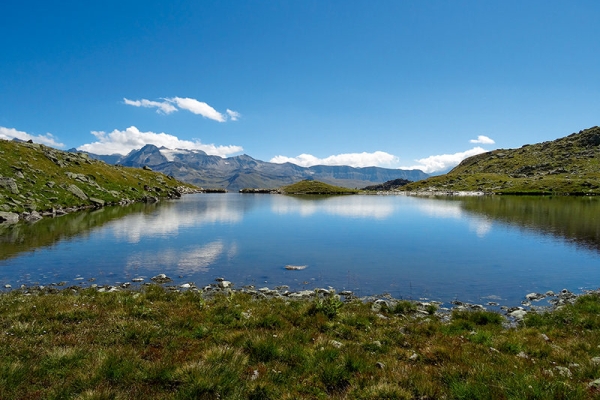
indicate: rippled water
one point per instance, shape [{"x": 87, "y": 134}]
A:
[{"x": 472, "y": 249}]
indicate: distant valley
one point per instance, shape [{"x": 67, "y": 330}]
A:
[{"x": 235, "y": 173}]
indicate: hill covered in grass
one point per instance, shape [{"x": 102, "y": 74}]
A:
[
  {"x": 569, "y": 165},
  {"x": 37, "y": 180},
  {"x": 315, "y": 187}
]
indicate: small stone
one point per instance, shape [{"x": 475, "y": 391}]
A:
[
  {"x": 7, "y": 286},
  {"x": 518, "y": 314},
  {"x": 336, "y": 344},
  {"x": 225, "y": 284},
  {"x": 595, "y": 360},
  {"x": 522, "y": 355},
  {"x": 125, "y": 285},
  {"x": 380, "y": 365},
  {"x": 161, "y": 278},
  {"x": 413, "y": 357},
  {"x": 377, "y": 343},
  {"x": 185, "y": 286},
  {"x": 545, "y": 337},
  {"x": 564, "y": 371},
  {"x": 594, "y": 384}
]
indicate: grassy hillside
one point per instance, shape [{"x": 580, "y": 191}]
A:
[
  {"x": 315, "y": 187},
  {"x": 38, "y": 178},
  {"x": 569, "y": 165}
]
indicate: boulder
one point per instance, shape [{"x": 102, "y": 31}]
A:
[
  {"x": 77, "y": 192},
  {"x": 97, "y": 202},
  {"x": 8, "y": 217},
  {"x": 10, "y": 184}
]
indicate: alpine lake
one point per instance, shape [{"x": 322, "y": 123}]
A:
[{"x": 477, "y": 249}]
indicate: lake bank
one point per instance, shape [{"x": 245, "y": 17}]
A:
[{"x": 156, "y": 343}]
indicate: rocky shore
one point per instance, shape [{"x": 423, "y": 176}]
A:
[{"x": 423, "y": 307}]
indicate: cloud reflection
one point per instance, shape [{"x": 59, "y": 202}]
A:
[
  {"x": 449, "y": 209},
  {"x": 194, "y": 259},
  {"x": 169, "y": 220},
  {"x": 345, "y": 206}
]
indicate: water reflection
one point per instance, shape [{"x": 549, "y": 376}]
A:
[
  {"x": 23, "y": 237},
  {"x": 577, "y": 220},
  {"x": 187, "y": 260},
  {"x": 345, "y": 206},
  {"x": 170, "y": 220},
  {"x": 435, "y": 208}
]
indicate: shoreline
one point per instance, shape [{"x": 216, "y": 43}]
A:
[{"x": 532, "y": 301}]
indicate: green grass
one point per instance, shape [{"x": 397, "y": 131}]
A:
[
  {"x": 43, "y": 175},
  {"x": 164, "y": 345},
  {"x": 569, "y": 165},
  {"x": 315, "y": 187}
]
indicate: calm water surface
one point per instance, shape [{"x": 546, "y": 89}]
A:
[{"x": 473, "y": 249}]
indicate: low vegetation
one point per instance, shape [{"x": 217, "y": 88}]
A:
[
  {"x": 158, "y": 344},
  {"x": 569, "y": 165},
  {"x": 34, "y": 177},
  {"x": 315, "y": 187}
]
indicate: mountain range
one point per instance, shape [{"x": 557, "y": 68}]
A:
[{"x": 239, "y": 172}]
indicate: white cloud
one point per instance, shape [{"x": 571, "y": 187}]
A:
[
  {"x": 444, "y": 161},
  {"x": 375, "y": 159},
  {"x": 11, "y": 133},
  {"x": 185, "y": 103},
  {"x": 482, "y": 140},
  {"x": 197, "y": 107},
  {"x": 163, "y": 107},
  {"x": 122, "y": 142},
  {"x": 233, "y": 115}
]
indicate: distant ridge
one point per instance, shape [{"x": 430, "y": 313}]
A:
[
  {"x": 235, "y": 173},
  {"x": 568, "y": 165}
]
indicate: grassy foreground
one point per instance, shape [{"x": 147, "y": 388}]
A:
[{"x": 163, "y": 345}]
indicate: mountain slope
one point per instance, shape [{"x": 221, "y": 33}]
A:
[
  {"x": 40, "y": 179},
  {"x": 234, "y": 173},
  {"x": 569, "y": 165}
]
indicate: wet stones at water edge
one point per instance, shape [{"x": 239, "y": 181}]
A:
[
  {"x": 8, "y": 217},
  {"x": 161, "y": 278}
]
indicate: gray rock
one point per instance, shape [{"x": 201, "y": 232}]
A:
[
  {"x": 594, "y": 384},
  {"x": 32, "y": 217},
  {"x": 535, "y": 296},
  {"x": 97, "y": 202},
  {"x": 380, "y": 365},
  {"x": 77, "y": 192},
  {"x": 10, "y": 184},
  {"x": 161, "y": 278},
  {"x": 8, "y": 217},
  {"x": 336, "y": 344},
  {"x": 595, "y": 360},
  {"x": 19, "y": 175},
  {"x": 564, "y": 371},
  {"x": 518, "y": 314},
  {"x": 225, "y": 284}
]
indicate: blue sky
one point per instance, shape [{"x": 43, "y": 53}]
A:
[{"x": 384, "y": 83}]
